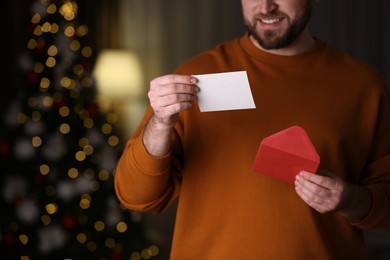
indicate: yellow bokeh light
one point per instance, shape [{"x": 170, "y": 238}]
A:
[
  {"x": 23, "y": 239},
  {"x": 80, "y": 156},
  {"x": 54, "y": 28},
  {"x": 78, "y": 69},
  {"x": 104, "y": 175},
  {"x": 73, "y": 173},
  {"x": 51, "y": 208},
  {"x": 45, "y": 219},
  {"x": 69, "y": 10},
  {"x": 38, "y": 67},
  {"x": 74, "y": 45},
  {"x": 52, "y": 51},
  {"x": 50, "y": 62},
  {"x": 135, "y": 256},
  {"x": 44, "y": 84},
  {"x": 46, "y": 27},
  {"x": 82, "y": 30},
  {"x": 51, "y": 9},
  {"x": 121, "y": 227},
  {"x": 64, "y": 111},
  {"x": 88, "y": 122},
  {"x": 145, "y": 254},
  {"x": 36, "y": 141},
  {"x": 66, "y": 82},
  {"x": 22, "y": 118},
  {"x": 94, "y": 186},
  {"x": 88, "y": 149},
  {"x": 113, "y": 140},
  {"x": 86, "y": 52},
  {"x": 44, "y": 169},
  {"x": 106, "y": 128},
  {"x": 83, "y": 142},
  {"x": 36, "y": 18},
  {"x": 36, "y": 116},
  {"x": 83, "y": 113},
  {"x": 85, "y": 201},
  {"x": 87, "y": 82},
  {"x": 38, "y": 30},
  {"x": 109, "y": 242},
  {"x": 69, "y": 31},
  {"x": 81, "y": 237},
  {"x": 86, "y": 196},
  {"x": 112, "y": 118},
  {"x": 47, "y": 101},
  {"x": 99, "y": 225},
  {"x": 64, "y": 128},
  {"x": 31, "y": 44},
  {"x": 153, "y": 250}
]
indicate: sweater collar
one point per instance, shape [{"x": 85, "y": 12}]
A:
[{"x": 261, "y": 55}]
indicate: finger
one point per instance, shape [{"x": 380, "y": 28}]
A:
[
  {"x": 174, "y": 88},
  {"x": 313, "y": 201},
  {"x": 174, "y": 78},
  {"x": 307, "y": 197},
  {"x": 312, "y": 189},
  {"x": 175, "y": 98},
  {"x": 323, "y": 181}
]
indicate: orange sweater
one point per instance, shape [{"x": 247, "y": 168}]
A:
[{"x": 227, "y": 211}]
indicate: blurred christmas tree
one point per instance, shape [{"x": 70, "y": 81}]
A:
[{"x": 59, "y": 152}]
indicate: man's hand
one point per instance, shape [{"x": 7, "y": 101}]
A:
[
  {"x": 171, "y": 94},
  {"x": 168, "y": 96},
  {"x": 326, "y": 192}
]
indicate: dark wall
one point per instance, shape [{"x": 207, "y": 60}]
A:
[{"x": 360, "y": 27}]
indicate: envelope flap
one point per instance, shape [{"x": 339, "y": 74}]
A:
[{"x": 293, "y": 140}]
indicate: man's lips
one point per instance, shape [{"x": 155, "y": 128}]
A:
[{"x": 270, "y": 22}]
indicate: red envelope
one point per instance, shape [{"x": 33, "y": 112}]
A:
[{"x": 284, "y": 154}]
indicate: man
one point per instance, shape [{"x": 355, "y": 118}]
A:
[{"x": 227, "y": 211}]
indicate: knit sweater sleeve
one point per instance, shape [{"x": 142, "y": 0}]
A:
[
  {"x": 147, "y": 183},
  {"x": 144, "y": 182},
  {"x": 377, "y": 174}
]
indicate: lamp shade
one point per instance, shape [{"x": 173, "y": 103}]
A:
[{"x": 118, "y": 74}]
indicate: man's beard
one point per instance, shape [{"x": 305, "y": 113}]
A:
[{"x": 271, "y": 40}]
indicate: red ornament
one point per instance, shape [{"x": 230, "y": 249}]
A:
[
  {"x": 93, "y": 109},
  {"x": 32, "y": 78},
  {"x": 4, "y": 148},
  {"x": 116, "y": 256},
  {"x": 8, "y": 239},
  {"x": 17, "y": 200},
  {"x": 87, "y": 64},
  {"x": 69, "y": 221}
]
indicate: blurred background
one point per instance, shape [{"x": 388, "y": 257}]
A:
[{"x": 63, "y": 126}]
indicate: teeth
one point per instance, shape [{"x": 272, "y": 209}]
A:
[{"x": 270, "y": 21}]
